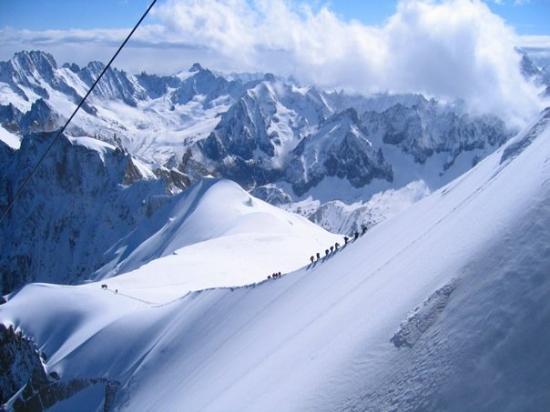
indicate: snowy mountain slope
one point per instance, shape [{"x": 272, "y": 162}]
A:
[
  {"x": 402, "y": 319},
  {"x": 214, "y": 234},
  {"x": 93, "y": 211}
]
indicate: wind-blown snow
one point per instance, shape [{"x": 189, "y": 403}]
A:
[{"x": 470, "y": 261}]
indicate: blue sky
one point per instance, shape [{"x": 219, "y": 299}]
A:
[{"x": 530, "y": 17}]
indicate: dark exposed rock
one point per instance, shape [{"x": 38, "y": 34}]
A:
[
  {"x": 114, "y": 84},
  {"x": 132, "y": 173},
  {"x": 22, "y": 370},
  {"x": 204, "y": 82},
  {"x": 80, "y": 199},
  {"x": 19, "y": 361},
  {"x": 174, "y": 179},
  {"x": 427, "y": 128},
  {"x": 157, "y": 86},
  {"x": 346, "y": 153},
  {"x": 271, "y": 194}
]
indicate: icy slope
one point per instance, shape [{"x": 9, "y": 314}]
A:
[
  {"x": 215, "y": 234},
  {"x": 442, "y": 307}
]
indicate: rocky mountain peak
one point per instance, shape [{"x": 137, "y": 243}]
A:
[
  {"x": 196, "y": 67},
  {"x": 34, "y": 61}
]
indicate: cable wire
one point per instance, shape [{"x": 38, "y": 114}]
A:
[{"x": 60, "y": 132}]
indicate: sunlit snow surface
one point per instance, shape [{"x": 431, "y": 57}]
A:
[
  {"x": 9, "y": 138},
  {"x": 217, "y": 235},
  {"x": 443, "y": 307}
]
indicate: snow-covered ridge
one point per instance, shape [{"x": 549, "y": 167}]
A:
[
  {"x": 98, "y": 211},
  {"x": 469, "y": 316},
  {"x": 214, "y": 234}
]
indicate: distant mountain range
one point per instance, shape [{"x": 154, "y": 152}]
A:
[{"x": 141, "y": 139}]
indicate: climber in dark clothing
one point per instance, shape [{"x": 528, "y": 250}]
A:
[
  {"x": 363, "y": 229},
  {"x": 318, "y": 256},
  {"x": 346, "y": 239},
  {"x": 331, "y": 249},
  {"x": 355, "y": 235},
  {"x": 312, "y": 259},
  {"x": 326, "y": 252},
  {"x": 336, "y": 246}
]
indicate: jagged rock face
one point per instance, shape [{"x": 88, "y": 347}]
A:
[
  {"x": 174, "y": 179},
  {"x": 157, "y": 86},
  {"x": 25, "y": 384},
  {"x": 272, "y": 194},
  {"x": 26, "y": 69},
  {"x": 19, "y": 359},
  {"x": 34, "y": 70},
  {"x": 115, "y": 84},
  {"x": 426, "y": 129},
  {"x": 9, "y": 114},
  {"x": 265, "y": 121},
  {"x": 204, "y": 82},
  {"x": 41, "y": 118},
  {"x": 79, "y": 202},
  {"x": 341, "y": 148},
  {"x": 253, "y": 139}
]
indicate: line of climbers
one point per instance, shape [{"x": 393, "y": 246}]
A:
[
  {"x": 275, "y": 275},
  {"x": 336, "y": 246},
  {"x": 105, "y": 287},
  {"x": 333, "y": 249},
  {"x": 328, "y": 252}
]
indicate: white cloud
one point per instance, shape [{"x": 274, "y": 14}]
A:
[
  {"x": 514, "y": 2},
  {"x": 451, "y": 49},
  {"x": 446, "y": 49},
  {"x": 542, "y": 42}
]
